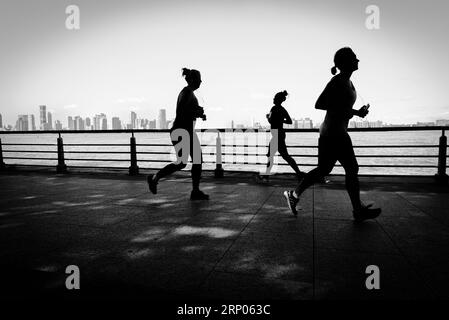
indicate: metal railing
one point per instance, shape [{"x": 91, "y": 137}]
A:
[{"x": 61, "y": 166}]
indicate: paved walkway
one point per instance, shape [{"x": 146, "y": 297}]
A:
[{"x": 242, "y": 244}]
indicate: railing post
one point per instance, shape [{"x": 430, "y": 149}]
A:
[
  {"x": 2, "y": 164},
  {"x": 441, "y": 176},
  {"x": 61, "y": 167},
  {"x": 218, "y": 163},
  {"x": 133, "y": 169},
  {"x": 245, "y": 149}
]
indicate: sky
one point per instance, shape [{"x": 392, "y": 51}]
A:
[{"x": 128, "y": 55}]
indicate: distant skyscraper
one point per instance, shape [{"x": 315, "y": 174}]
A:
[
  {"x": 169, "y": 123},
  {"x": 440, "y": 122},
  {"x": 88, "y": 124},
  {"x": 162, "y": 119},
  {"x": 22, "y": 123},
  {"x": 1, "y": 122},
  {"x": 32, "y": 123},
  {"x": 152, "y": 124},
  {"x": 43, "y": 116},
  {"x": 70, "y": 123},
  {"x": 306, "y": 123},
  {"x": 100, "y": 122},
  {"x": 116, "y": 123},
  {"x": 133, "y": 120},
  {"x": 79, "y": 123},
  {"x": 96, "y": 122},
  {"x": 49, "y": 124},
  {"x": 58, "y": 125},
  {"x": 104, "y": 124}
]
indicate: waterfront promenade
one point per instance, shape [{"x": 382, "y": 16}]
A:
[{"x": 242, "y": 244}]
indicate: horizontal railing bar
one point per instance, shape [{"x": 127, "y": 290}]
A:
[
  {"x": 153, "y": 152},
  {"x": 29, "y": 144},
  {"x": 100, "y": 152},
  {"x": 154, "y": 145},
  {"x": 24, "y": 158},
  {"x": 245, "y": 130},
  {"x": 122, "y": 160},
  {"x": 224, "y": 154},
  {"x": 31, "y": 151},
  {"x": 314, "y": 155},
  {"x": 79, "y": 159},
  {"x": 314, "y": 165},
  {"x": 96, "y": 144},
  {"x": 152, "y": 160},
  {"x": 315, "y": 146},
  {"x": 208, "y": 145}
]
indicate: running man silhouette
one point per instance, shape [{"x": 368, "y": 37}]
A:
[
  {"x": 277, "y": 117},
  {"x": 184, "y": 138},
  {"x": 334, "y": 143}
]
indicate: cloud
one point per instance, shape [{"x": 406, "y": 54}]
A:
[
  {"x": 259, "y": 96},
  {"x": 131, "y": 100},
  {"x": 214, "y": 109},
  {"x": 71, "y": 106}
]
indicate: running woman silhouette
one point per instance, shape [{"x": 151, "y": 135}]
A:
[
  {"x": 277, "y": 117},
  {"x": 334, "y": 143},
  {"x": 184, "y": 138}
]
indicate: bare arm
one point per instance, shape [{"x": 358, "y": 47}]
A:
[
  {"x": 362, "y": 112},
  {"x": 287, "y": 118}
]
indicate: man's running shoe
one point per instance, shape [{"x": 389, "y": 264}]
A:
[
  {"x": 291, "y": 201},
  {"x": 152, "y": 184},
  {"x": 366, "y": 212},
  {"x": 198, "y": 195}
]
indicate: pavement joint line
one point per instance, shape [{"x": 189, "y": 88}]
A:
[
  {"x": 233, "y": 242},
  {"x": 428, "y": 215},
  {"x": 407, "y": 260}
]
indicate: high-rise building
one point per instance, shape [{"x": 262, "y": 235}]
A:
[
  {"x": 152, "y": 124},
  {"x": 49, "y": 124},
  {"x": 133, "y": 120},
  {"x": 306, "y": 123},
  {"x": 104, "y": 124},
  {"x": 100, "y": 122},
  {"x": 43, "y": 117},
  {"x": 32, "y": 123},
  {"x": 440, "y": 122},
  {"x": 162, "y": 119},
  {"x": 22, "y": 123},
  {"x": 79, "y": 123},
  {"x": 58, "y": 125},
  {"x": 96, "y": 122},
  {"x": 1, "y": 122},
  {"x": 116, "y": 123},
  {"x": 88, "y": 124},
  {"x": 70, "y": 123}
]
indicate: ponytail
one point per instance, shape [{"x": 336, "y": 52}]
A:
[
  {"x": 334, "y": 70},
  {"x": 186, "y": 72},
  {"x": 190, "y": 74},
  {"x": 281, "y": 96}
]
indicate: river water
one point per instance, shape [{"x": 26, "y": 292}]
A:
[{"x": 229, "y": 139}]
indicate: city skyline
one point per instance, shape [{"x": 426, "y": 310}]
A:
[{"x": 100, "y": 122}]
